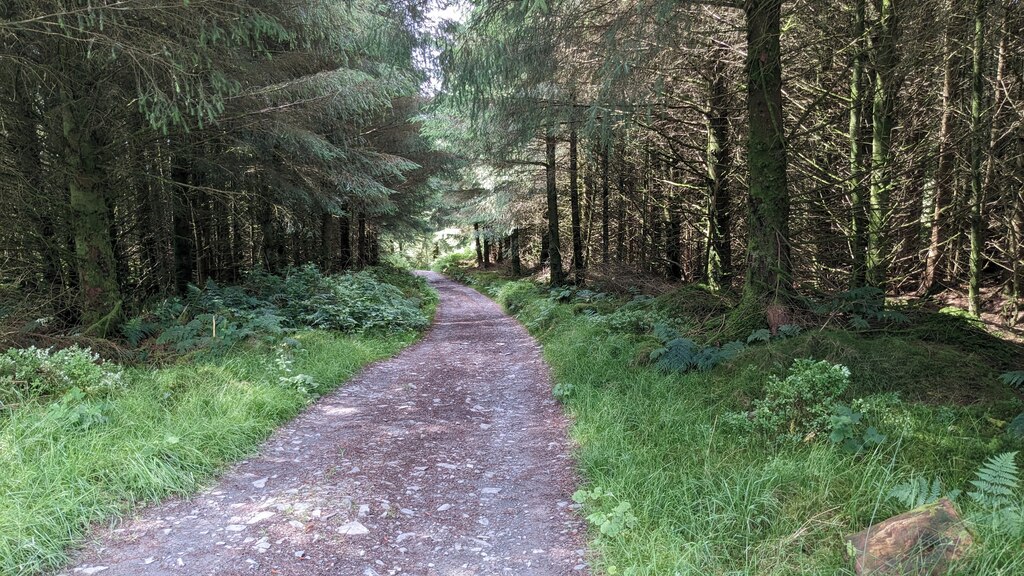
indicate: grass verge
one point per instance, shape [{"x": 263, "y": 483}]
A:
[
  {"x": 707, "y": 497},
  {"x": 166, "y": 433}
]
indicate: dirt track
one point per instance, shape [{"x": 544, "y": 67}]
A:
[{"x": 450, "y": 459}]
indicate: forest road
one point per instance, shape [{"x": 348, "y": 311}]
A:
[{"x": 450, "y": 459}]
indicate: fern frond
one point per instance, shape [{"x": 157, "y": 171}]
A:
[
  {"x": 917, "y": 492},
  {"x": 1014, "y": 379},
  {"x": 996, "y": 480}
]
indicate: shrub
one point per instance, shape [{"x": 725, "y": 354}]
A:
[
  {"x": 358, "y": 303},
  {"x": 27, "y": 373},
  {"x": 451, "y": 264},
  {"x": 514, "y": 296},
  {"x": 217, "y": 317},
  {"x": 803, "y": 402}
]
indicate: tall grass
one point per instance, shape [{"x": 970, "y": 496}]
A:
[
  {"x": 166, "y": 434},
  {"x": 711, "y": 499}
]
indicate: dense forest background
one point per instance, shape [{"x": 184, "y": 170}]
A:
[
  {"x": 149, "y": 145},
  {"x": 798, "y": 147},
  {"x": 803, "y": 147}
]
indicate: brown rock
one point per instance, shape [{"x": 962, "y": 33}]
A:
[{"x": 921, "y": 542}]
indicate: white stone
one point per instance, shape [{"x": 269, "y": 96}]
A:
[
  {"x": 353, "y": 528},
  {"x": 260, "y": 483},
  {"x": 260, "y": 516}
]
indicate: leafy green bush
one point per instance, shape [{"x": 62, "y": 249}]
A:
[
  {"x": 514, "y": 296},
  {"x": 27, "y": 373},
  {"x": 849, "y": 432},
  {"x": 358, "y": 303},
  {"x": 217, "y": 317},
  {"x": 803, "y": 402},
  {"x": 452, "y": 265}
]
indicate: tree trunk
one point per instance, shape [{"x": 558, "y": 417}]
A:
[
  {"x": 673, "y": 233},
  {"x": 517, "y": 263},
  {"x": 719, "y": 164},
  {"x": 99, "y": 294},
  {"x": 947, "y": 156},
  {"x": 479, "y": 248},
  {"x": 769, "y": 274},
  {"x": 859, "y": 220},
  {"x": 884, "y": 51},
  {"x": 344, "y": 241},
  {"x": 620, "y": 219},
  {"x": 328, "y": 242},
  {"x": 1015, "y": 239},
  {"x": 604, "y": 204},
  {"x": 554, "y": 248},
  {"x": 363, "y": 242},
  {"x": 578, "y": 265},
  {"x": 978, "y": 134}
]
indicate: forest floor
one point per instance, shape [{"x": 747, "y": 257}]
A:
[{"x": 449, "y": 459}]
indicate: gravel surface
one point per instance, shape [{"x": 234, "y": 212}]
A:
[{"x": 450, "y": 459}]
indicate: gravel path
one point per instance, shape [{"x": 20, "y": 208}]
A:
[{"x": 450, "y": 459}]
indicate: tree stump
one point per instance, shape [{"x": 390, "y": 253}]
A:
[{"x": 921, "y": 542}]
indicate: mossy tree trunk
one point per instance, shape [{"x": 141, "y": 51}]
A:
[
  {"x": 99, "y": 294},
  {"x": 769, "y": 275}
]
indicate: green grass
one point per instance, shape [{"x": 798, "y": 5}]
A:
[
  {"x": 711, "y": 498},
  {"x": 167, "y": 434}
]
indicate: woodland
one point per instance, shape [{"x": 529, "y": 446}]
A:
[{"x": 774, "y": 251}]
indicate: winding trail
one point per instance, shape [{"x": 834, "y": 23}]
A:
[{"x": 450, "y": 459}]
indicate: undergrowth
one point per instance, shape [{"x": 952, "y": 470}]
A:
[
  {"x": 759, "y": 465},
  {"x": 82, "y": 440}
]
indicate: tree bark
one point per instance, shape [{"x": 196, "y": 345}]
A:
[
  {"x": 578, "y": 265},
  {"x": 517, "y": 263},
  {"x": 883, "y": 115},
  {"x": 604, "y": 204},
  {"x": 99, "y": 294},
  {"x": 946, "y": 157},
  {"x": 719, "y": 163},
  {"x": 769, "y": 275},
  {"x": 554, "y": 248},
  {"x": 858, "y": 204},
  {"x": 479, "y": 248},
  {"x": 978, "y": 133}
]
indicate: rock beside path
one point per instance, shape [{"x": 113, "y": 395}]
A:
[{"x": 921, "y": 542}]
